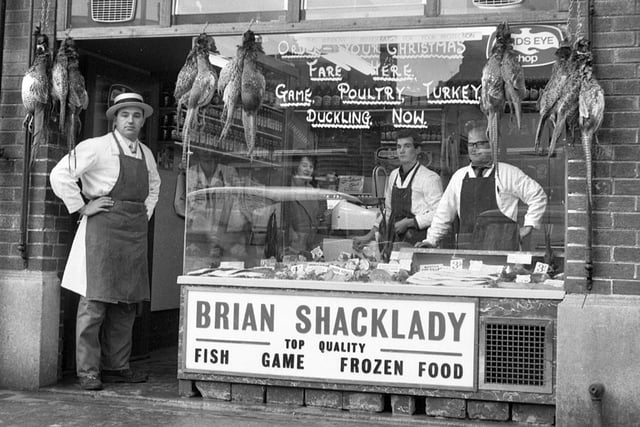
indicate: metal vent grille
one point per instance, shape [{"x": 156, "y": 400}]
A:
[
  {"x": 516, "y": 354},
  {"x": 113, "y": 10},
  {"x": 490, "y": 4}
]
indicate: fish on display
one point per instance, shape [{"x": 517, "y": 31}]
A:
[
  {"x": 591, "y": 113},
  {"x": 201, "y": 92},
  {"x": 552, "y": 91},
  {"x": 35, "y": 88}
]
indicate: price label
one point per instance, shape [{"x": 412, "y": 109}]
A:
[
  {"x": 541, "y": 267},
  {"x": 431, "y": 267},
  {"x": 456, "y": 264}
]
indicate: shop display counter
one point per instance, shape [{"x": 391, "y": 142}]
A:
[{"x": 469, "y": 342}]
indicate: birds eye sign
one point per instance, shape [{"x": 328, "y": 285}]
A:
[
  {"x": 535, "y": 45},
  {"x": 402, "y": 342}
]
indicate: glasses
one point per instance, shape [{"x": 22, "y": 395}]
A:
[{"x": 477, "y": 143}]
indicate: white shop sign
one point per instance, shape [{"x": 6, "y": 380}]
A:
[{"x": 338, "y": 339}]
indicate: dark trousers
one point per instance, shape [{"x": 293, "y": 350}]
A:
[{"x": 103, "y": 336}]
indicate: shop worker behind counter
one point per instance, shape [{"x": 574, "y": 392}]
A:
[
  {"x": 411, "y": 195},
  {"x": 486, "y": 202},
  {"x": 107, "y": 265}
]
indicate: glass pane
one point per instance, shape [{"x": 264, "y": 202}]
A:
[
  {"x": 331, "y": 9},
  {"x": 455, "y": 7},
  {"x": 197, "y": 12},
  {"x": 185, "y": 7},
  {"x": 336, "y": 108}
]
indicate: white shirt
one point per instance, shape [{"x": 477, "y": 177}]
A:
[
  {"x": 96, "y": 165},
  {"x": 426, "y": 191},
  {"x": 512, "y": 185}
]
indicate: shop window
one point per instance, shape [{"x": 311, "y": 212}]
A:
[
  {"x": 326, "y": 145},
  {"x": 196, "y": 11},
  {"x": 336, "y": 9}
]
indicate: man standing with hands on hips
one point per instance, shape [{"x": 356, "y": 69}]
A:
[
  {"x": 485, "y": 200},
  {"x": 107, "y": 264}
]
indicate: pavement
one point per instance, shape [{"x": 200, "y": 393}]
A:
[{"x": 157, "y": 403}]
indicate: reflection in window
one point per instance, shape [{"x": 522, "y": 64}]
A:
[{"x": 334, "y": 107}]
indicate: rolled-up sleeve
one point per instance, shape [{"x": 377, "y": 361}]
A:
[{"x": 533, "y": 195}]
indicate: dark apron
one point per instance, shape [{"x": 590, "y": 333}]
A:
[
  {"x": 401, "y": 203},
  {"x": 116, "y": 241},
  {"x": 483, "y": 225}
]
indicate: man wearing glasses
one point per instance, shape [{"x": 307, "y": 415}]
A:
[{"x": 485, "y": 201}]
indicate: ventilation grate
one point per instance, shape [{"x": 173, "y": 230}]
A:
[
  {"x": 113, "y": 10},
  {"x": 491, "y": 4},
  {"x": 516, "y": 354}
]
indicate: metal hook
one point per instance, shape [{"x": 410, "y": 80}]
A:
[
  {"x": 206, "y": 24},
  {"x": 253, "y": 21}
]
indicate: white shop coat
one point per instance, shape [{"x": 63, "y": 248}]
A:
[{"x": 96, "y": 165}]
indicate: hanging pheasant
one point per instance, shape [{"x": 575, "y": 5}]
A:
[
  {"x": 566, "y": 109},
  {"x": 241, "y": 81},
  {"x": 553, "y": 90},
  {"x": 201, "y": 91},
  {"x": 35, "y": 88},
  {"x": 60, "y": 83},
  {"x": 492, "y": 94},
  {"x": 591, "y": 113},
  {"x": 252, "y": 90},
  {"x": 513, "y": 76},
  {"x": 229, "y": 85},
  {"x": 77, "y": 99},
  {"x": 189, "y": 70}
]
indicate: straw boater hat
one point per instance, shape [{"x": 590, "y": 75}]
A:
[{"x": 129, "y": 99}]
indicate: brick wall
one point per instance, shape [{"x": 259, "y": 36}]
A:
[
  {"x": 616, "y": 213},
  {"x": 48, "y": 220}
]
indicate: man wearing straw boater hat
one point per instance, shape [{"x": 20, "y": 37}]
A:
[{"x": 107, "y": 265}]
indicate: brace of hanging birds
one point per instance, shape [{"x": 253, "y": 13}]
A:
[
  {"x": 572, "y": 100},
  {"x": 242, "y": 82},
  {"x": 502, "y": 83},
  {"x": 195, "y": 87},
  {"x": 57, "y": 83}
]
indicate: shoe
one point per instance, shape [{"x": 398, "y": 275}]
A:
[
  {"x": 90, "y": 382},
  {"x": 123, "y": 376}
]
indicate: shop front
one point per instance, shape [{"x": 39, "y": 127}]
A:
[
  {"x": 282, "y": 295},
  {"x": 281, "y": 263}
]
